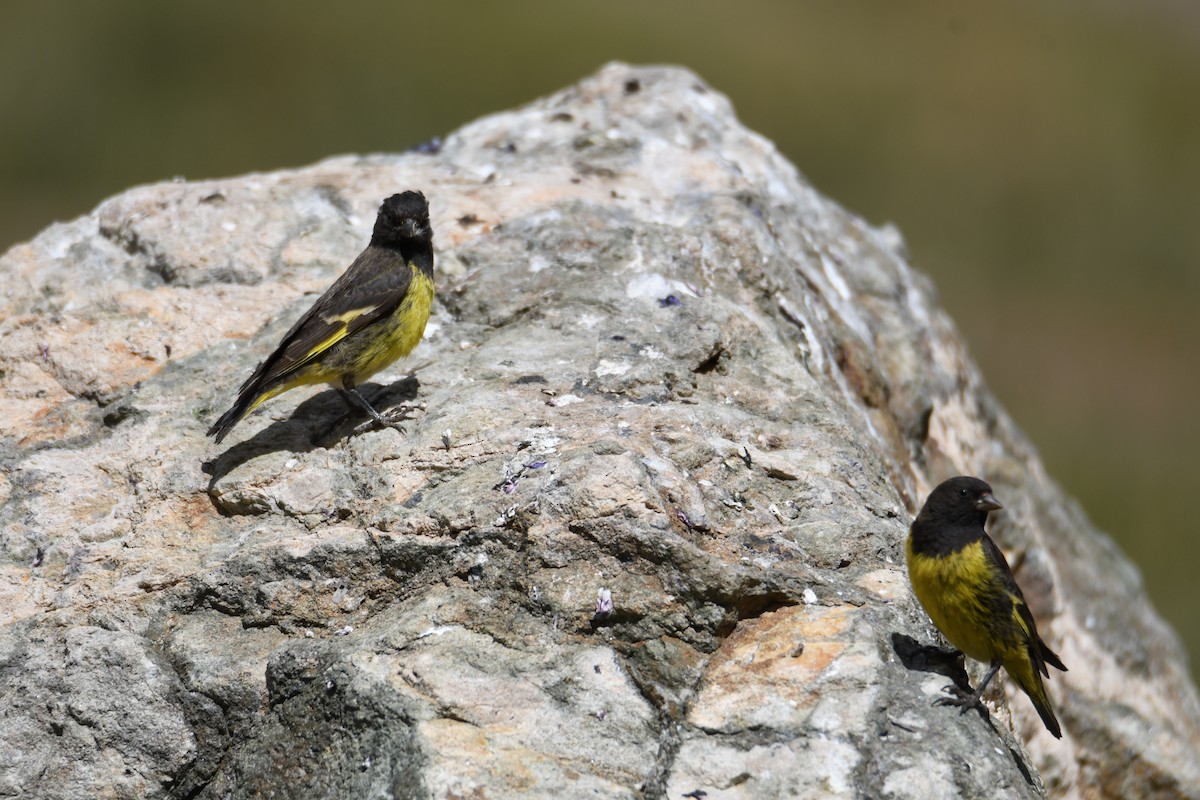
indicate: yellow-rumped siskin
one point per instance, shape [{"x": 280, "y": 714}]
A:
[
  {"x": 372, "y": 315},
  {"x": 965, "y": 584}
]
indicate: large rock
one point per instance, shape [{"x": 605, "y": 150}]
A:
[{"x": 661, "y": 368}]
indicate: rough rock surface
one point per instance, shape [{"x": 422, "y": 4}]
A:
[{"x": 663, "y": 372}]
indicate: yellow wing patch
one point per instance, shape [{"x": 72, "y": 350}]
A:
[
  {"x": 347, "y": 317},
  {"x": 343, "y": 320}
]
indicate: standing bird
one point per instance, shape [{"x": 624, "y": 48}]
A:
[
  {"x": 371, "y": 315},
  {"x": 967, "y": 588}
]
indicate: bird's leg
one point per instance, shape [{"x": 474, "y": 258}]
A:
[
  {"x": 353, "y": 398},
  {"x": 968, "y": 700}
]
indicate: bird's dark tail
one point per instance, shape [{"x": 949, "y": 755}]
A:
[
  {"x": 1041, "y": 702},
  {"x": 233, "y": 416},
  {"x": 1049, "y": 657},
  {"x": 250, "y": 397},
  {"x": 1028, "y": 678}
]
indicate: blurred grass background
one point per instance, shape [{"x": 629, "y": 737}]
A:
[{"x": 1042, "y": 160}]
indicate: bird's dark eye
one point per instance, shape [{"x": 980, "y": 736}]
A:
[{"x": 963, "y": 492}]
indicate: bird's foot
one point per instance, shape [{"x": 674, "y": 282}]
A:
[
  {"x": 960, "y": 698},
  {"x": 392, "y": 418}
]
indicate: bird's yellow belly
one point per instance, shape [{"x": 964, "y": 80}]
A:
[
  {"x": 951, "y": 590},
  {"x": 403, "y": 330}
]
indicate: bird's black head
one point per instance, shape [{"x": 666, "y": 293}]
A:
[
  {"x": 960, "y": 501},
  {"x": 403, "y": 220}
]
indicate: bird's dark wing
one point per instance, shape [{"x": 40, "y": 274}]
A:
[
  {"x": 1000, "y": 566},
  {"x": 368, "y": 291},
  {"x": 1039, "y": 653}
]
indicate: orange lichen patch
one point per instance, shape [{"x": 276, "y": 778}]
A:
[
  {"x": 467, "y": 758},
  {"x": 769, "y": 669},
  {"x": 53, "y": 426},
  {"x": 96, "y": 353},
  {"x": 82, "y": 355},
  {"x": 478, "y": 759},
  {"x": 26, "y": 380},
  {"x": 470, "y": 219},
  {"x": 22, "y": 593},
  {"x": 156, "y": 304},
  {"x": 197, "y": 512},
  {"x": 37, "y": 408}
]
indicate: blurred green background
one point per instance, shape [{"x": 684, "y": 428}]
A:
[{"x": 1042, "y": 160}]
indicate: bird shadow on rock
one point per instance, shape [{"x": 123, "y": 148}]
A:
[
  {"x": 927, "y": 658},
  {"x": 951, "y": 664},
  {"x": 319, "y": 422}
]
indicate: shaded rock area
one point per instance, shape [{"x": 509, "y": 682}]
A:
[{"x": 643, "y": 538}]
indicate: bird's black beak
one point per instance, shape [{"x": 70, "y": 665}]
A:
[
  {"x": 411, "y": 228},
  {"x": 987, "y": 502}
]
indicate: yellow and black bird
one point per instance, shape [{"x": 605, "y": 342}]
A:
[
  {"x": 963, "y": 581},
  {"x": 371, "y": 315}
]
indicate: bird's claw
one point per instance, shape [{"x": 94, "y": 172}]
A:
[
  {"x": 959, "y": 698},
  {"x": 371, "y": 425},
  {"x": 392, "y": 418}
]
